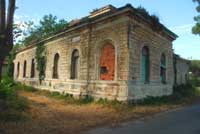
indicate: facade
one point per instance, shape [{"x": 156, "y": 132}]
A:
[
  {"x": 181, "y": 70},
  {"x": 113, "y": 53}
]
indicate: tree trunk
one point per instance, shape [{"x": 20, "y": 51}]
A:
[
  {"x": 6, "y": 29},
  {"x": 9, "y": 26},
  {"x": 2, "y": 16},
  {"x": 2, "y": 25}
]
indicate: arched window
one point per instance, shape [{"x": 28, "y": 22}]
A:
[
  {"x": 32, "y": 68},
  {"x": 18, "y": 69},
  {"x": 145, "y": 64},
  {"x": 163, "y": 68},
  {"x": 55, "y": 66},
  {"x": 107, "y": 62},
  {"x": 74, "y": 64},
  {"x": 24, "y": 69}
]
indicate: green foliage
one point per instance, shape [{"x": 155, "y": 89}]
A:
[
  {"x": 195, "y": 68},
  {"x": 19, "y": 86},
  {"x": 22, "y": 31},
  {"x": 180, "y": 94},
  {"x": 194, "y": 81},
  {"x": 68, "y": 98},
  {"x": 6, "y": 91},
  {"x": 11, "y": 104},
  {"x": 117, "y": 105},
  {"x": 156, "y": 23},
  {"x": 141, "y": 10},
  {"x": 196, "y": 28},
  {"x": 48, "y": 25},
  {"x": 184, "y": 91},
  {"x": 41, "y": 60}
]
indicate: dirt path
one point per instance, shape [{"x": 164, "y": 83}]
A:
[{"x": 51, "y": 116}]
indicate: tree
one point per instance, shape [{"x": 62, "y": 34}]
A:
[
  {"x": 48, "y": 26},
  {"x": 6, "y": 29},
  {"x": 195, "y": 67},
  {"x": 196, "y": 28}
]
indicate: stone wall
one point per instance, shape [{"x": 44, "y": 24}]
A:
[
  {"x": 182, "y": 71},
  {"x": 142, "y": 35},
  {"x": 88, "y": 41},
  {"x": 127, "y": 35}
]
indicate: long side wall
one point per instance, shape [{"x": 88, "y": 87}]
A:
[
  {"x": 88, "y": 41},
  {"x": 142, "y": 35}
]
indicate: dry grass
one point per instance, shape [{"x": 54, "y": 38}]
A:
[{"x": 53, "y": 116}]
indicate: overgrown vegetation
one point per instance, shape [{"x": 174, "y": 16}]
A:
[
  {"x": 40, "y": 56},
  {"x": 156, "y": 26},
  {"x": 182, "y": 94},
  {"x": 68, "y": 98},
  {"x": 195, "y": 68},
  {"x": 12, "y": 106}
]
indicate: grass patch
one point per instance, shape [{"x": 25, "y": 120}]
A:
[
  {"x": 68, "y": 98},
  {"x": 181, "y": 94},
  {"x": 19, "y": 86}
]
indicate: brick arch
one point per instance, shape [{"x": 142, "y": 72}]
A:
[{"x": 107, "y": 62}]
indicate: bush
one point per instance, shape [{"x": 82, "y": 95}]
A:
[
  {"x": 6, "y": 90},
  {"x": 156, "y": 100},
  {"x": 185, "y": 90},
  {"x": 180, "y": 94},
  {"x": 12, "y": 105}
]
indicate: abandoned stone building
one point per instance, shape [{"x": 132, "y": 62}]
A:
[
  {"x": 181, "y": 70},
  {"x": 113, "y": 53}
]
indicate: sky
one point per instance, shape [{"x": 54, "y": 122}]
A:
[{"x": 177, "y": 15}]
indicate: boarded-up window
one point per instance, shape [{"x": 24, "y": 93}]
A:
[
  {"x": 163, "y": 68},
  {"x": 74, "y": 64},
  {"x": 107, "y": 62},
  {"x": 18, "y": 69},
  {"x": 32, "y": 68},
  {"x": 24, "y": 69},
  {"x": 55, "y": 66},
  {"x": 145, "y": 65}
]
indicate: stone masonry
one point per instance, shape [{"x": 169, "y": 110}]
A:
[
  {"x": 109, "y": 43},
  {"x": 181, "y": 70}
]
